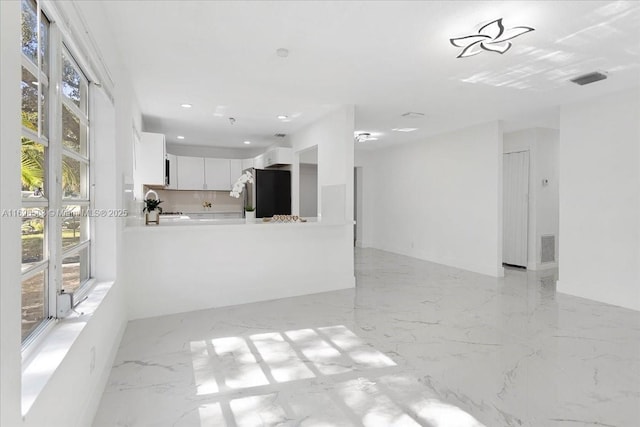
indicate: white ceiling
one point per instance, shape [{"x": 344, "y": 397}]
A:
[{"x": 386, "y": 57}]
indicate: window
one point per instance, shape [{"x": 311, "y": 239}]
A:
[
  {"x": 34, "y": 168},
  {"x": 55, "y": 165}
]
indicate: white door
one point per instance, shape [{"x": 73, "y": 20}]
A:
[{"x": 515, "y": 208}]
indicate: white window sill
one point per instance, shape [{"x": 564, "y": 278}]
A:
[{"x": 52, "y": 350}]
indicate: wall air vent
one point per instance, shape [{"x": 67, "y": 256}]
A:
[
  {"x": 548, "y": 248},
  {"x": 589, "y": 78},
  {"x": 280, "y": 135},
  {"x": 413, "y": 115}
]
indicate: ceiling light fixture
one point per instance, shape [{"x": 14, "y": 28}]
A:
[
  {"x": 180, "y": 137},
  {"x": 186, "y": 105},
  {"x": 247, "y": 142},
  {"x": 283, "y": 117},
  {"x": 364, "y": 136},
  {"x": 282, "y": 52},
  {"x": 404, "y": 129},
  {"x": 412, "y": 115},
  {"x": 492, "y": 37}
]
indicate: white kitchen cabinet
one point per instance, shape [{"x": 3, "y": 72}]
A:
[
  {"x": 258, "y": 162},
  {"x": 173, "y": 172},
  {"x": 217, "y": 174},
  {"x": 246, "y": 164},
  {"x": 235, "y": 167},
  {"x": 190, "y": 173},
  {"x": 149, "y": 162},
  {"x": 278, "y": 156}
]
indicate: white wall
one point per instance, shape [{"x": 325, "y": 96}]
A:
[
  {"x": 228, "y": 264},
  {"x": 333, "y": 135},
  {"x": 600, "y": 199},
  {"x": 364, "y": 162},
  {"x": 441, "y": 199},
  {"x": 71, "y": 394},
  {"x": 308, "y": 190},
  {"x": 10, "y": 363},
  {"x": 542, "y": 145}
]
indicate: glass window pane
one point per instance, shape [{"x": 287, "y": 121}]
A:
[
  {"x": 75, "y": 226},
  {"x": 33, "y": 232},
  {"x": 74, "y": 136},
  {"x": 29, "y": 30},
  {"x": 75, "y": 270},
  {"x": 33, "y": 168},
  {"x": 74, "y": 179},
  {"x": 29, "y": 87},
  {"x": 44, "y": 110},
  {"x": 33, "y": 303},
  {"x": 72, "y": 82},
  {"x": 44, "y": 44}
]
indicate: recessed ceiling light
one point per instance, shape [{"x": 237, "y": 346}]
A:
[
  {"x": 186, "y": 105},
  {"x": 404, "y": 129},
  {"x": 283, "y": 117},
  {"x": 247, "y": 142},
  {"x": 180, "y": 137}
]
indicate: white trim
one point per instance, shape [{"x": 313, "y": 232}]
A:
[
  {"x": 75, "y": 156},
  {"x": 33, "y": 341},
  {"x": 36, "y": 268},
  {"x": 80, "y": 41},
  {"x": 75, "y": 249}
]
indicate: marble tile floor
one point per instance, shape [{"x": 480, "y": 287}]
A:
[{"x": 415, "y": 344}]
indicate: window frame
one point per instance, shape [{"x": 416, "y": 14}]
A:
[{"x": 54, "y": 203}]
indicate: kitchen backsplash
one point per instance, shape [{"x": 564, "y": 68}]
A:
[{"x": 192, "y": 201}]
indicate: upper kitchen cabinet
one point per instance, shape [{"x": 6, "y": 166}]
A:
[
  {"x": 217, "y": 174},
  {"x": 278, "y": 156},
  {"x": 235, "y": 166},
  {"x": 190, "y": 173},
  {"x": 150, "y": 159}
]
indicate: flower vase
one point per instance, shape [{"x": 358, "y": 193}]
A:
[{"x": 249, "y": 216}]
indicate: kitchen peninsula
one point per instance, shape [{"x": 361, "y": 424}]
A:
[{"x": 185, "y": 265}]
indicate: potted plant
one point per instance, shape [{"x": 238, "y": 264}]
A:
[
  {"x": 249, "y": 213},
  {"x": 152, "y": 211},
  {"x": 249, "y": 210}
]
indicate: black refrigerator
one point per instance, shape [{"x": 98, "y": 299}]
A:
[{"x": 270, "y": 193}]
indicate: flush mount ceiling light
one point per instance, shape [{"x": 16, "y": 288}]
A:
[
  {"x": 283, "y": 117},
  {"x": 364, "y": 136},
  {"x": 492, "y": 37},
  {"x": 247, "y": 142},
  {"x": 404, "y": 129},
  {"x": 282, "y": 52},
  {"x": 412, "y": 115},
  {"x": 186, "y": 105},
  {"x": 180, "y": 137}
]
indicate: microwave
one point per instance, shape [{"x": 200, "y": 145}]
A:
[{"x": 167, "y": 177}]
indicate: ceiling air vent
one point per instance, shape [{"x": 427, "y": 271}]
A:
[
  {"x": 280, "y": 135},
  {"x": 589, "y": 78},
  {"x": 412, "y": 115}
]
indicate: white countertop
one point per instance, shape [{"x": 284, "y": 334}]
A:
[{"x": 186, "y": 222}]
